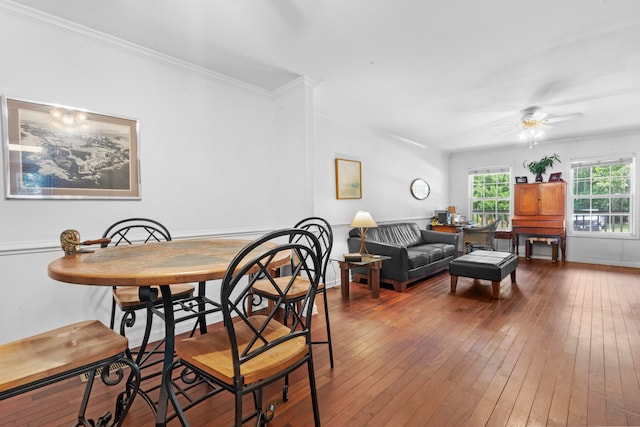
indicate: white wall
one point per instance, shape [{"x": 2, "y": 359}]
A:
[
  {"x": 611, "y": 250},
  {"x": 210, "y": 161},
  {"x": 389, "y": 164},
  {"x": 217, "y": 158}
]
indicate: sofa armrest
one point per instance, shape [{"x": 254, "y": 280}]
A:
[
  {"x": 430, "y": 236},
  {"x": 399, "y": 257}
]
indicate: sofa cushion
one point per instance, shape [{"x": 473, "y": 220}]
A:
[
  {"x": 402, "y": 234},
  {"x": 424, "y": 254},
  {"x": 447, "y": 249}
]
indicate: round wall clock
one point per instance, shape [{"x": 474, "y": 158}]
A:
[{"x": 420, "y": 189}]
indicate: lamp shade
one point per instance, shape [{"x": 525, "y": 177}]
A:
[{"x": 363, "y": 219}]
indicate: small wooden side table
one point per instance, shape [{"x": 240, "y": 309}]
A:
[
  {"x": 552, "y": 241},
  {"x": 373, "y": 263}
]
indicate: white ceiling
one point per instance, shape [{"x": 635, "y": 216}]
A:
[{"x": 437, "y": 73}]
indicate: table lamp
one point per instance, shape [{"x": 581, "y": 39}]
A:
[{"x": 363, "y": 220}]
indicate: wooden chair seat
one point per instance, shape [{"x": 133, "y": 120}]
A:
[
  {"x": 298, "y": 289},
  {"x": 84, "y": 347},
  {"x": 127, "y": 296},
  {"x": 52, "y": 353},
  {"x": 212, "y": 352}
]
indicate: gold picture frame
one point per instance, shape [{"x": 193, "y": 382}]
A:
[
  {"x": 57, "y": 152},
  {"x": 348, "y": 179}
]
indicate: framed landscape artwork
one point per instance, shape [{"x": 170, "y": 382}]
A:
[
  {"x": 348, "y": 179},
  {"x": 57, "y": 152}
]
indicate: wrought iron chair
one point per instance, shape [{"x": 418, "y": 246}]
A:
[
  {"x": 321, "y": 229},
  {"x": 479, "y": 237},
  {"x": 131, "y": 231},
  {"x": 254, "y": 350},
  {"x": 323, "y": 232}
]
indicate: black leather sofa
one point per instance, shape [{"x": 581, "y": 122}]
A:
[{"x": 414, "y": 253}]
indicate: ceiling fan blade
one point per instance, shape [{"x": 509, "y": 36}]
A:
[
  {"x": 503, "y": 125},
  {"x": 563, "y": 118},
  {"x": 510, "y": 131},
  {"x": 539, "y": 116}
]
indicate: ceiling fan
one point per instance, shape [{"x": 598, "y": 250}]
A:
[{"x": 534, "y": 122}]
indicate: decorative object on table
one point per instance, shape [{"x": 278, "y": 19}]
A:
[
  {"x": 348, "y": 179},
  {"x": 539, "y": 168},
  {"x": 555, "y": 177},
  {"x": 353, "y": 257},
  {"x": 57, "y": 152},
  {"x": 70, "y": 242},
  {"x": 521, "y": 180},
  {"x": 444, "y": 217},
  {"x": 420, "y": 189},
  {"x": 363, "y": 220},
  {"x": 452, "y": 213}
]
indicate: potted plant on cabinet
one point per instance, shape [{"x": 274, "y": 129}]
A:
[{"x": 540, "y": 167}]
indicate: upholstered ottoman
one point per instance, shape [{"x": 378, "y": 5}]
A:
[{"x": 486, "y": 265}]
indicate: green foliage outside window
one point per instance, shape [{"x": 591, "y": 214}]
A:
[
  {"x": 602, "y": 198},
  {"x": 491, "y": 198}
]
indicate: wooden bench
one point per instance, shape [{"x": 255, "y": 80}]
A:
[
  {"x": 553, "y": 241},
  {"x": 49, "y": 357}
]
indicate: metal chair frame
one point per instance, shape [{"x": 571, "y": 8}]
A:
[
  {"x": 144, "y": 230},
  {"x": 251, "y": 265},
  {"x": 323, "y": 232}
]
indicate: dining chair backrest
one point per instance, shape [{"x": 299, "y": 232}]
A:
[
  {"x": 321, "y": 229},
  {"x": 252, "y": 264},
  {"x": 136, "y": 230}
]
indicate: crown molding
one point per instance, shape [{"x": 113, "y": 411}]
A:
[
  {"x": 46, "y": 20},
  {"x": 304, "y": 80}
]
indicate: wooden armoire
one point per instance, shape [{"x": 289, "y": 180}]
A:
[{"x": 539, "y": 210}]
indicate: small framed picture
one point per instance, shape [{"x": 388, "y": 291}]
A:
[
  {"x": 348, "y": 179},
  {"x": 521, "y": 180},
  {"x": 555, "y": 177}
]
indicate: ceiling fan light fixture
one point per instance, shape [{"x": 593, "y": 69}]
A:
[{"x": 534, "y": 122}]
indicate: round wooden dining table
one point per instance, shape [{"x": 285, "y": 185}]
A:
[{"x": 151, "y": 264}]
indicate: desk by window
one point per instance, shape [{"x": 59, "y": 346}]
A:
[{"x": 446, "y": 228}]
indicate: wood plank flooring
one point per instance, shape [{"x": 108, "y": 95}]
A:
[{"x": 562, "y": 347}]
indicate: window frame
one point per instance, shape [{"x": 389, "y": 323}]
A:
[
  {"x": 610, "y": 160},
  {"x": 492, "y": 170}
]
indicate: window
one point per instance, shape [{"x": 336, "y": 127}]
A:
[
  {"x": 602, "y": 195},
  {"x": 491, "y": 196}
]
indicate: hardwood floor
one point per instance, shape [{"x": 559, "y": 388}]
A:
[{"x": 562, "y": 347}]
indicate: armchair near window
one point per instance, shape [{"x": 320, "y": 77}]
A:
[{"x": 479, "y": 237}]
